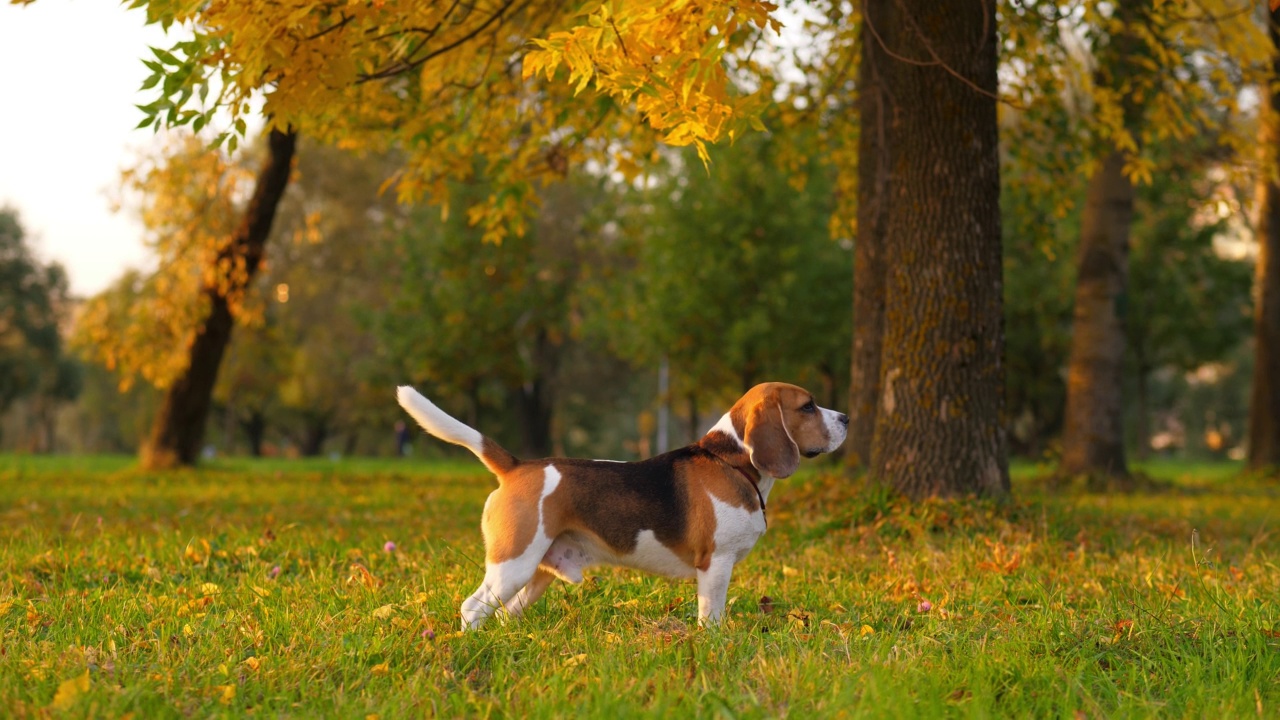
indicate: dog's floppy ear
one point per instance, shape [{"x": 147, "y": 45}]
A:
[{"x": 768, "y": 442}]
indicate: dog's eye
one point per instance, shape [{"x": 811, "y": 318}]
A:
[{"x": 809, "y": 407}]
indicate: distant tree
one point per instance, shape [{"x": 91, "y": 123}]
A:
[
  {"x": 1039, "y": 239},
  {"x": 487, "y": 322},
  {"x": 248, "y": 387},
  {"x": 1093, "y": 440},
  {"x": 324, "y": 273},
  {"x": 735, "y": 279},
  {"x": 1187, "y": 304},
  {"x": 1130, "y": 77},
  {"x": 208, "y": 219},
  {"x": 33, "y": 303}
]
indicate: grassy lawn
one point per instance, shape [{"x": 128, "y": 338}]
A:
[{"x": 267, "y": 589}]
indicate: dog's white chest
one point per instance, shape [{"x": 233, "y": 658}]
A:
[{"x": 737, "y": 529}]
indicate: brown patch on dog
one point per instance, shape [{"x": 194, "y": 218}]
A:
[
  {"x": 613, "y": 502},
  {"x": 496, "y": 457},
  {"x": 511, "y": 513}
]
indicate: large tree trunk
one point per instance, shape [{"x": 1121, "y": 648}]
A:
[
  {"x": 179, "y": 425},
  {"x": 938, "y": 424},
  {"x": 868, "y": 248},
  {"x": 1093, "y": 433},
  {"x": 1264, "y": 411}
]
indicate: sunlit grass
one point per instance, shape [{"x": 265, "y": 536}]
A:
[{"x": 268, "y": 588}]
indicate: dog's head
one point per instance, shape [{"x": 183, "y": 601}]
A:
[{"x": 781, "y": 422}]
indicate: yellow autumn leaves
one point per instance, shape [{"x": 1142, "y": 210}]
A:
[
  {"x": 666, "y": 57},
  {"x": 187, "y": 198}
]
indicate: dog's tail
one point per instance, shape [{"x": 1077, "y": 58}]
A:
[{"x": 450, "y": 429}]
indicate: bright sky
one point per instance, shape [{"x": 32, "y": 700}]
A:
[{"x": 69, "y": 77}]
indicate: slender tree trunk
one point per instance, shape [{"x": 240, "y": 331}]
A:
[
  {"x": 1264, "y": 411},
  {"x": 314, "y": 434},
  {"x": 255, "y": 429},
  {"x": 535, "y": 419},
  {"x": 178, "y": 430},
  {"x": 873, "y": 211},
  {"x": 1093, "y": 432},
  {"x": 1093, "y": 425},
  {"x": 536, "y": 398},
  {"x": 938, "y": 424}
]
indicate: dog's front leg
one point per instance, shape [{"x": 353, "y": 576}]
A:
[{"x": 713, "y": 588}]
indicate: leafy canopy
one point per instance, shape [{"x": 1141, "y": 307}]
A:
[
  {"x": 525, "y": 86},
  {"x": 188, "y": 198}
]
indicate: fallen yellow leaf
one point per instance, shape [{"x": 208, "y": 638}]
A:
[
  {"x": 576, "y": 660},
  {"x": 868, "y": 630},
  {"x": 380, "y": 669},
  {"x": 197, "y": 551},
  {"x": 69, "y": 691},
  {"x": 789, "y": 571},
  {"x": 228, "y": 694},
  {"x": 384, "y": 612}
]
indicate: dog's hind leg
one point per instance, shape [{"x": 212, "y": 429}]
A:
[
  {"x": 502, "y": 581},
  {"x": 530, "y": 593}
]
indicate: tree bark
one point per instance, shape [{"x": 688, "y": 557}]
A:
[
  {"x": 868, "y": 249},
  {"x": 1264, "y": 410},
  {"x": 178, "y": 430},
  {"x": 1093, "y": 431},
  {"x": 938, "y": 428}
]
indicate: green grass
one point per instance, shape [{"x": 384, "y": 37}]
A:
[{"x": 263, "y": 588}]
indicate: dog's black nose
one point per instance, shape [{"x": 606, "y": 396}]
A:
[{"x": 844, "y": 419}]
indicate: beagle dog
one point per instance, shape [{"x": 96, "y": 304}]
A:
[{"x": 694, "y": 512}]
